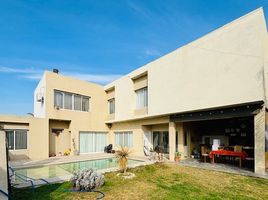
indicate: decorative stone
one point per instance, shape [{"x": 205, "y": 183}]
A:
[{"x": 87, "y": 179}]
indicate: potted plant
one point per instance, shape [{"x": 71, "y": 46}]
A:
[
  {"x": 177, "y": 156},
  {"x": 122, "y": 157}
]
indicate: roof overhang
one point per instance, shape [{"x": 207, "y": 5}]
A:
[{"x": 232, "y": 111}]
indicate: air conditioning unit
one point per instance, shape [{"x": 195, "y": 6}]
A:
[{"x": 39, "y": 97}]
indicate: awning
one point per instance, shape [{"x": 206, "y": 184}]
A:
[{"x": 233, "y": 111}]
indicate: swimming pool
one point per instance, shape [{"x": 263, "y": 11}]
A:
[{"x": 67, "y": 169}]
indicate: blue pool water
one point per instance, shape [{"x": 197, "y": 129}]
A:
[{"x": 61, "y": 170}]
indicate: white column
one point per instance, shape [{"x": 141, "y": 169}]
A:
[
  {"x": 259, "y": 138},
  {"x": 172, "y": 140},
  {"x": 180, "y": 139},
  {"x": 3, "y": 165}
]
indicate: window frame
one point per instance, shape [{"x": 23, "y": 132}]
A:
[
  {"x": 88, "y": 99},
  {"x": 145, "y": 98},
  {"x": 124, "y": 134},
  {"x": 80, "y": 96},
  {"x": 14, "y": 139},
  {"x": 62, "y": 100},
  {"x": 72, "y": 104},
  {"x": 111, "y": 109},
  {"x": 73, "y": 95}
]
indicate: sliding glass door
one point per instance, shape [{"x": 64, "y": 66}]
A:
[
  {"x": 161, "y": 139},
  {"x": 91, "y": 142}
]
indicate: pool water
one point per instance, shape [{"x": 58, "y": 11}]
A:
[{"x": 67, "y": 169}]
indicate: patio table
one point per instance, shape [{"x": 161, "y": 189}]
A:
[{"x": 242, "y": 155}]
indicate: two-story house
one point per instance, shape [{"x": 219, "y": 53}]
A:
[{"x": 212, "y": 90}]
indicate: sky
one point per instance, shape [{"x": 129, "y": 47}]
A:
[{"x": 97, "y": 40}]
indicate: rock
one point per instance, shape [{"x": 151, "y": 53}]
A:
[{"x": 87, "y": 179}]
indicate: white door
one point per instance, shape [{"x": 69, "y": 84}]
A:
[{"x": 91, "y": 142}]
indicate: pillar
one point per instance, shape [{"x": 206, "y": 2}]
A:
[
  {"x": 172, "y": 140},
  {"x": 259, "y": 140},
  {"x": 180, "y": 139},
  {"x": 3, "y": 166}
]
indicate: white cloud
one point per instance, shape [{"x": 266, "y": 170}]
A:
[
  {"x": 36, "y": 74},
  {"x": 138, "y": 9},
  {"x": 32, "y": 76},
  {"x": 97, "y": 78},
  {"x": 18, "y": 70},
  {"x": 152, "y": 52}
]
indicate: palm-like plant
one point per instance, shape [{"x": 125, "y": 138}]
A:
[{"x": 122, "y": 156}]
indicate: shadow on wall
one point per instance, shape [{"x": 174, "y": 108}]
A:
[{"x": 15, "y": 156}]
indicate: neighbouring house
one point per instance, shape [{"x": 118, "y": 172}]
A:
[{"x": 212, "y": 90}]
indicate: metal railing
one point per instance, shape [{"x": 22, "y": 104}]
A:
[
  {"x": 5, "y": 194},
  {"x": 26, "y": 178}
]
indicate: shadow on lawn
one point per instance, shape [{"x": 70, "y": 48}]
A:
[{"x": 52, "y": 191}]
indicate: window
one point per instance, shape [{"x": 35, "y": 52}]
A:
[
  {"x": 58, "y": 99},
  {"x": 111, "y": 105},
  {"x": 17, "y": 139},
  {"x": 92, "y": 141},
  {"x": 124, "y": 138},
  {"x": 142, "y": 98},
  {"x": 77, "y": 102},
  {"x": 85, "y": 103},
  {"x": 10, "y": 139},
  {"x": 71, "y": 101},
  {"x": 68, "y": 101}
]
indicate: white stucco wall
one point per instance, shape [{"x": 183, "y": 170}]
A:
[
  {"x": 222, "y": 68},
  {"x": 40, "y": 90}
]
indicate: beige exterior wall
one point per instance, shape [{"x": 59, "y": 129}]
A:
[
  {"x": 138, "y": 128},
  {"x": 79, "y": 120},
  {"x": 59, "y": 144},
  {"x": 110, "y": 94},
  {"x": 233, "y": 59},
  {"x": 3, "y": 166},
  {"x": 37, "y": 131},
  {"x": 40, "y": 129}
]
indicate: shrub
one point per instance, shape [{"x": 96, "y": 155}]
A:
[
  {"x": 122, "y": 156},
  {"x": 87, "y": 179}
]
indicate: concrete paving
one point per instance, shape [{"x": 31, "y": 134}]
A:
[
  {"x": 58, "y": 160},
  {"x": 220, "y": 167}
]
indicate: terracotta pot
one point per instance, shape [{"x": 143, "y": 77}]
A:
[{"x": 177, "y": 159}]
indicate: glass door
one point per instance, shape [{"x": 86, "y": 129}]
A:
[{"x": 161, "y": 139}]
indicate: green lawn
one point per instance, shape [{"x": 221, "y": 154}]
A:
[{"x": 162, "y": 181}]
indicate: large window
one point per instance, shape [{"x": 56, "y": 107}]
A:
[
  {"x": 142, "y": 98},
  {"x": 16, "y": 139},
  {"x": 92, "y": 141},
  {"x": 111, "y": 106},
  {"x": 124, "y": 138},
  {"x": 71, "y": 101}
]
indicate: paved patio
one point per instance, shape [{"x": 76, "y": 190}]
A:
[
  {"x": 220, "y": 167},
  {"x": 64, "y": 159}
]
